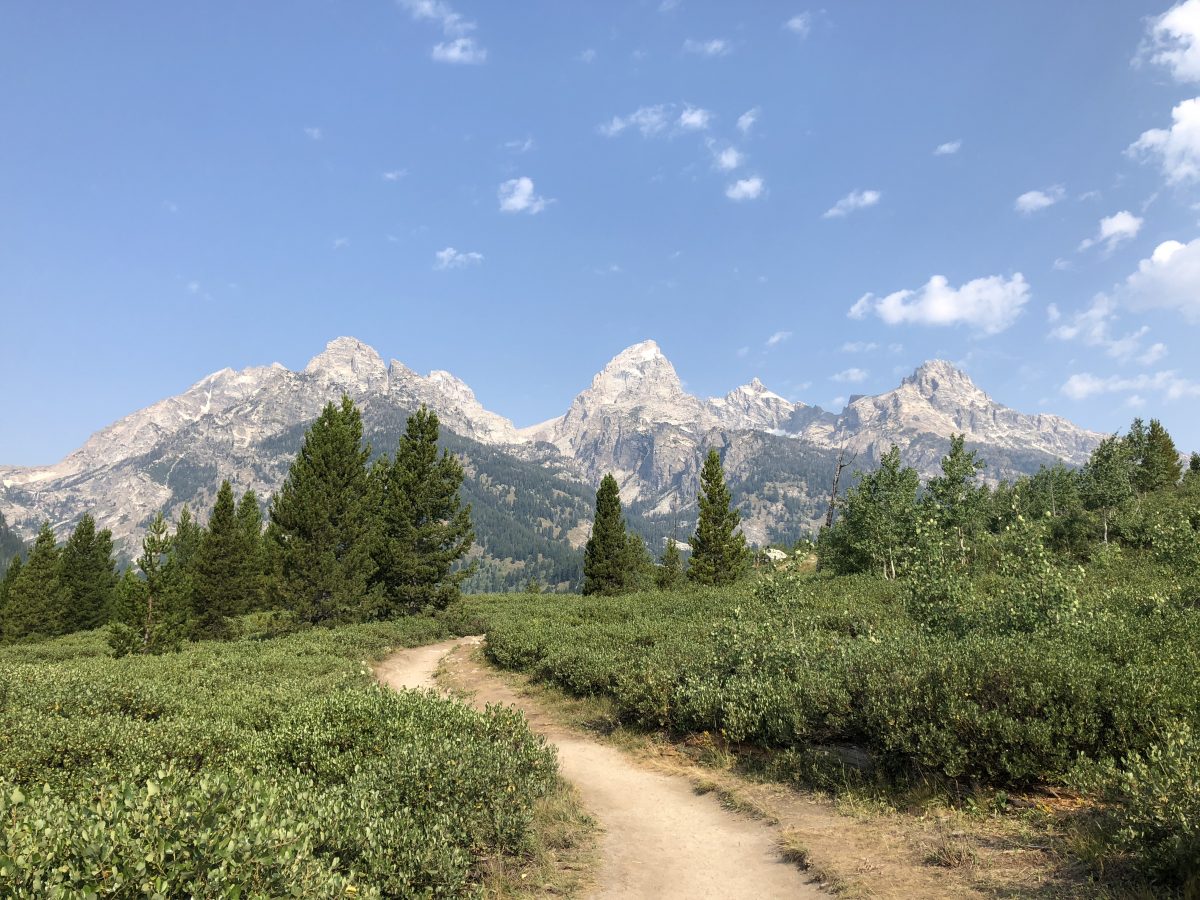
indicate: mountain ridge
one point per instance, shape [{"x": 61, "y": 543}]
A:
[{"x": 634, "y": 419}]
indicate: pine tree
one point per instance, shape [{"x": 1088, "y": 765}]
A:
[
  {"x": 220, "y": 583},
  {"x": 149, "y": 611},
  {"x": 88, "y": 575},
  {"x": 11, "y": 546},
  {"x": 607, "y": 552},
  {"x": 323, "y": 524},
  {"x": 425, "y": 529},
  {"x": 37, "y": 602},
  {"x": 719, "y": 552},
  {"x": 250, "y": 523},
  {"x": 639, "y": 564},
  {"x": 669, "y": 576},
  {"x": 1159, "y": 466},
  {"x": 1108, "y": 478},
  {"x": 11, "y": 573}
]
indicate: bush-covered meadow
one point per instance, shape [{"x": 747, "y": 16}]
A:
[
  {"x": 252, "y": 768},
  {"x": 1104, "y": 695}
]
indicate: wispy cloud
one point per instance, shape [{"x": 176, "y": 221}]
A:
[
  {"x": 455, "y": 259},
  {"x": 394, "y": 174},
  {"x": 1170, "y": 385},
  {"x": 523, "y": 145},
  {"x": 462, "y": 51},
  {"x": 745, "y": 189},
  {"x": 852, "y": 201},
  {"x": 710, "y": 48},
  {"x": 852, "y": 375},
  {"x": 947, "y": 149},
  {"x": 986, "y": 305},
  {"x": 693, "y": 118},
  {"x": 587, "y": 56},
  {"x": 747, "y": 119},
  {"x": 726, "y": 159},
  {"x": 778, "y": 338},
  {"x": 313, "y": 133},
  {"x": 859, "y": 347},
  {"x": 1094, "y": 327},
  {"x": 517, "y": 195},
  {"x": 1032, "y": 201},
  {"x": 800, "y": 24},
  {"x": 1114, "y": 229},
  {"x": 341, "y": 243},
  {"x": 460, "y": 48}
]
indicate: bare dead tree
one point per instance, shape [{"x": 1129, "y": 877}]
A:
[{"x": 842, "y": 463}]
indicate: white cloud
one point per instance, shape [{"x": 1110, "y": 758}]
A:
[
  {"x": 710, "y": 48},
  {"x": 193, "y": 287},
  {"x": 1032, "y": 201},
  {"x": 743, "y": 352},
  {"x": 313, "y": 133},
  {"x": 1093, "y": 326},
  {"x": 394, "y": 174},
  {"x": 745, "y": 189},
  {"x": 668, "y": 6},
  {"x": 1174, "y": 40},
  {"x": 987, "y": 305},
  {"x": 1177, "y": 148},
  {"x": 1169, "y": 384},
  {"x": 1168, "y": 279},
  {"x": 437, "y": 11},
  {"x": 517, "y": 195},
  {"x": 463, "y": 51},
  {"x": 851, "y": 376},
  {"x": 728, "y": 158},
  {"x": 520, "y": 146},
  {"x": 649, "y": 120},
  {"x": 1114, "y": 229},
  {"x": 454, "y": 259},
  {"x": 587, "y": 56},
  {"x": 852, "y": 201},
  {"x": 947, "y": 149},
  {"x": 460, "y": 48},
  {"x": 859, "y": 347},
  {"x": 747, "y": 119},
  {"x": 799, "y": 24},
  {"x": 693, "y": 118},
  {"x": 778, "y": 338}
]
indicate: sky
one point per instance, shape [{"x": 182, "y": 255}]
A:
[{"x": 822, "y": 197}]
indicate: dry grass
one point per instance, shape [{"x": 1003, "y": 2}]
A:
[{"x": 562, "y": 858}]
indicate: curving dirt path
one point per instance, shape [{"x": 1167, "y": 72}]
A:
[{"x": 661, "y": 839}]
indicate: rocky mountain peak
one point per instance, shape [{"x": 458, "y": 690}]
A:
[
  {"x": 936, "y": 375},
  {"x": 638, "y": 373},
  {"x": 349, "y": 362}
]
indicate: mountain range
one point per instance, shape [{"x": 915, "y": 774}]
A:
[{"x": 531, "y": 488}]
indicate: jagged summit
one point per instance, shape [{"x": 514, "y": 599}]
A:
[
  {"x": 350, "y": 362},
  {"x": 938, "y": 374}
]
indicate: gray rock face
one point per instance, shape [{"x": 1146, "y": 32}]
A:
[{"x": 635, "y": 420}]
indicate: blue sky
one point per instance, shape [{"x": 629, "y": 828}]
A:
[{"x": 822, "y": 197}]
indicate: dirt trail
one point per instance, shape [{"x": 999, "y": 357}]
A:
[{"x": 661, "y": 839}]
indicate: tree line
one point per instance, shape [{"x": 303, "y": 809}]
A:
[
  {"x": 345, "y": 540},
  {"x": 616, "y": 560},
  {"x": 888, "y": 519}
]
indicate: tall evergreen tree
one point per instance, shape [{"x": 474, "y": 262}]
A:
[
  {"x": 11, "y": 546},
  {"x": 606, "y": 555},
  {"x": 323, "y": 524},
  {"x": 11, "y": 573},
  {"x": 1108, "y": 479},
  {"x": 88, "y": 575},
  {"x": 37, "y": 602},
  {"x": 221, "y": 571},
  {"x": 250, "y": 522},
  {"x": 669, "y": 576},
  {"x": 719, "y": 552},
  {"x": 425, "y": 529},
  {"x": 1159, "y": 466}
]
